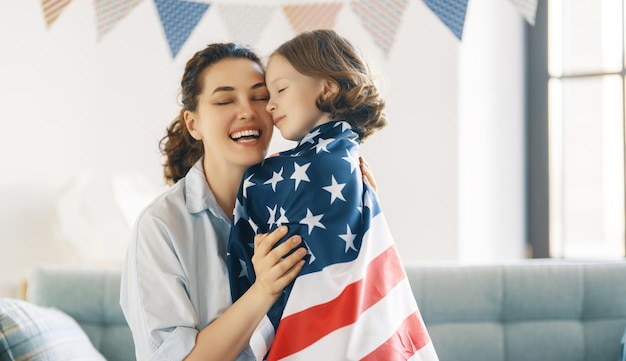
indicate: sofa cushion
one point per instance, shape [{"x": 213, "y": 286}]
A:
[
  {"x": 91, "y": 296},
  {"x": 31, "y": 332},
  {"x": 523, "y": 311}
]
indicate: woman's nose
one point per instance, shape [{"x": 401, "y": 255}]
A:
[{"x": 246, "y": 111}]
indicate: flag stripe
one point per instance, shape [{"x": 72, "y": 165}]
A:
[
  {"x": 368, "y": 332},
  {"x": 366, "y": 292},
  {"x": 401, "y": 339},
  {"x": 337, "y": 276}
]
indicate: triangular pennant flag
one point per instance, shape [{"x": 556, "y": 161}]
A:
[
  {"x": 451, "y": 12},
  {"x": 312, "y": 16},
  {"x": 245, "y": 22},
  {"x": 381, "y": 18},
  {"x": 110, "y": 12},
  {"x": 52, "y": 9},
  {"x": 528, "y": 8},
  {"x": 179, "y": 18}
]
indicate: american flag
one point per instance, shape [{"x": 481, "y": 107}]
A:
[{"x": 352, "y": 300}]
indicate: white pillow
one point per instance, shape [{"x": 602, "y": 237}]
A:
[{"x": 33, "y": 333}]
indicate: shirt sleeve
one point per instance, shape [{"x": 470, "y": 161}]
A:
[{"x": 153, "y": 294}]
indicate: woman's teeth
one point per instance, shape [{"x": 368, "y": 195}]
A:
[{"x": 245, "y": 133}]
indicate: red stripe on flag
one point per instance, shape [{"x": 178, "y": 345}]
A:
[
  {"x": 398, "y": 345},
  {"x": 320, "y": 320}
]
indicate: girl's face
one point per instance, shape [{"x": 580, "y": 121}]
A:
[
  {"x": 230, "y": 118},
  {"x": 292, "y": 99}
]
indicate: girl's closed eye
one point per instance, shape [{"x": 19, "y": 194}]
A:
[{"x": 281, "y": 89}]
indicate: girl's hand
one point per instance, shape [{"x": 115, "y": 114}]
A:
[
  {"x": 368, "y": 176},
  {"x": 274, "y": 269}
]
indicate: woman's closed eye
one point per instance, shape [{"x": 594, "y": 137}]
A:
[
  {"x": 261, "y": 98},
  {"x": 223, "y": 102}
]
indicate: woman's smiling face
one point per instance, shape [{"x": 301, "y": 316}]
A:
[{"x": 231, "y": 119}]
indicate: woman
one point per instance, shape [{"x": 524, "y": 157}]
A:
[{"x": 175, "y": 290}]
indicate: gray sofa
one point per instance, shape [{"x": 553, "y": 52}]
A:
[{"x": 530, "y": 310}]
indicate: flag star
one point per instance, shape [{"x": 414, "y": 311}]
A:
[
  {"x": 282, "y": 219},
  {"x": 344, "y": 125},
  {"x": 322, "y": 144},
  {"x": 354, "y": 162},
  {"x": 335, "y": 190},
  {"x": 276, "y": 177},
  {"x": 244, "y": 269},
  {"x": 239, "y": 212},
  {"x": 312, "y": 221},
  {"x": 309, "y": 137},
  {"x": 348, "y": 237},
  {"x": 247, "y": 184},
  {"x": 299, "y": 173},
  {"x": 272, "y": 219}
]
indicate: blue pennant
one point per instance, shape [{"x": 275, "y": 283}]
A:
[
  {"x": 451, "y": 12},
  {"x": 179, "y": 18}
]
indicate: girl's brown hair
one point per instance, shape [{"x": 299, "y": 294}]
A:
[
  {"x": 179, "y": 147},
  {"x": 325, "y": 54}
]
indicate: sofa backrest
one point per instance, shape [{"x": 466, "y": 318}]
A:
[
  {"x": 532, "y": 310},
  {"x": 91, "y": 296},
  {"x": 545, "y": 310}
]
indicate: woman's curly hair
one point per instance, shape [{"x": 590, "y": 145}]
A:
[
  {"x": 181, "y": 150},
  {"x": 327, "y": 55}
]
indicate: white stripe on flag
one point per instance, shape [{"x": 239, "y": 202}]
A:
[
  {"x": 262, "y": 337},
  {"x": 336, "y": 277},
  {"x": 400, "y": 299},
  {"x": 369, "y": 331},
  {"x": 426, "y": 353}
]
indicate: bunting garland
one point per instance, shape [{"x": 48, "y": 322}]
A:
[
  {"x": 528, "y": 8},
  {"x": 451, "y": 12},
  {"x": 245, "y": 21},
  {"x": 381, "y": 18},
  {"x": 52, "y": 9},
  {"x": 179, "y": 18},
  {"x": 312, "y": 16},
  {"x": 110, "y": 12}
]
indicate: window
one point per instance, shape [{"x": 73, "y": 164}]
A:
[{"x": 576, "y": 124}]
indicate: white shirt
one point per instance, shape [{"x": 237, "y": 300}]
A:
[{"x": 175, "y": 280}]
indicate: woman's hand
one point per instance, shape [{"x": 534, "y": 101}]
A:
[
  {"x": 273, "y": 267},
  {"x": 368, "y": 176},
  {"x": 229, "y": 334}
]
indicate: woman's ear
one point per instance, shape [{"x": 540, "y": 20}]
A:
[
  {"x": 330, "y": 87},
  {"x": 191, "y": 124}
]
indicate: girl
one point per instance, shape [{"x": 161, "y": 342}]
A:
[{"x": 352, "y": 300}]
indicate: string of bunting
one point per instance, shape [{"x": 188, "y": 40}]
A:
[{"x": 246, "y": 22}]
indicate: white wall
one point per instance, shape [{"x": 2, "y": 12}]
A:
[
  {"x": 491, "y": 134},
  {"x": 81, "y": 116}
]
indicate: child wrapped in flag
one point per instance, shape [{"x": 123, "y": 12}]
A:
[{"x": 352, "y": 299}]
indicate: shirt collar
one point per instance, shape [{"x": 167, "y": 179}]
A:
[{"x": 198, "y": 195}]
